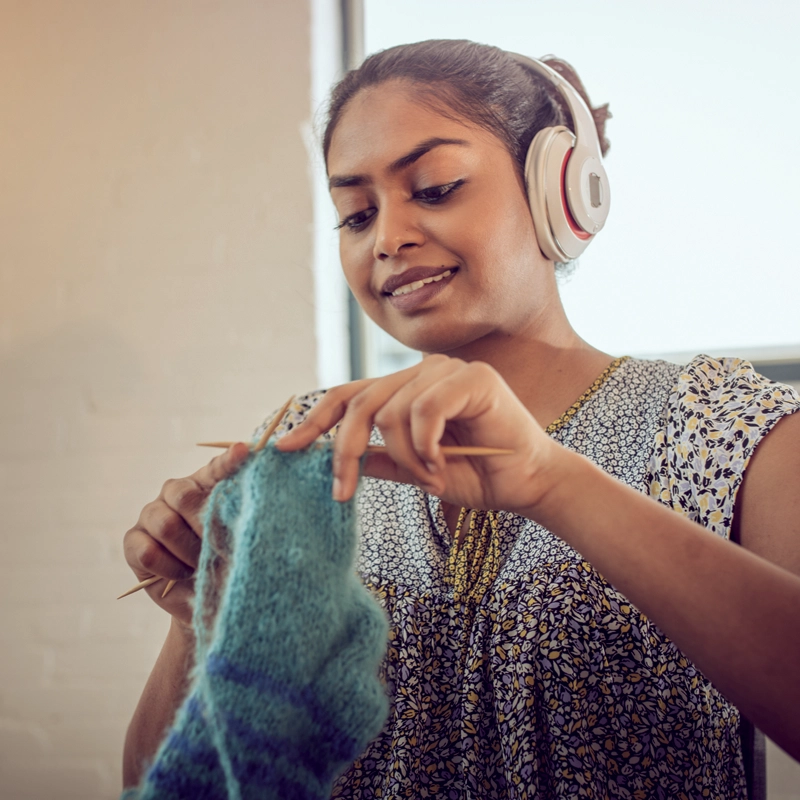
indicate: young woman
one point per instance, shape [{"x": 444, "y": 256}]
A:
[{"x": 550, "y": 621}]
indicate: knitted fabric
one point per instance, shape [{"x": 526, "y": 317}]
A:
[{"x": 285, "y": 692}]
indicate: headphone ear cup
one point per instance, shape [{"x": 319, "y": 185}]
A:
[
  {"x": 535, "y": 183},
  {"x": 559, "y": 236}
]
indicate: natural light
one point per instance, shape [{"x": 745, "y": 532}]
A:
[{"x": 699, "y": 250}]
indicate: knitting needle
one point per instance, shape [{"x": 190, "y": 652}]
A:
[
  {"x": 447, "y": 450},
  {"x": 141, "y": 585},
  {"x": 455, "y": 450},
  {"x": 271, "y": 428}
]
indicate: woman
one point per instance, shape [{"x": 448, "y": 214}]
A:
[{"x": 515, "y": 668}]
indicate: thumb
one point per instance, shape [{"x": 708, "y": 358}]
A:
[{"x": 222, "y": 466}]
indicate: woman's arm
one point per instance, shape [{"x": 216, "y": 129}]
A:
[
  {"x": 767, "y": 512},
  {"x": 733, "y": 613},
  {"x": 164, "y": 692}
]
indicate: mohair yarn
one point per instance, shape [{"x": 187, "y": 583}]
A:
[{"x": 285, "y": 692}]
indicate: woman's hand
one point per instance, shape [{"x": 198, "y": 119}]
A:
[
  {"x": 441, "y": 401},
  {"x": 166, "y": 539}
]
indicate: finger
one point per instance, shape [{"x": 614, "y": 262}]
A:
[
  {"x": 186, "y": 497},
  {"x": 397, "y": 437},
  {"x": 148, "y": 557},
  {"x": 351, "y": 441},
  {"x": 171, "y": 530},
  {"x": 355, "y": 429},
  {"x": 428, "y": 417},
  {"x": 330, "y": 408},
  {"x": 468, "y": 395},
  {"x": 380, "y": 465},
  {"x": 394, "y": 421},
  {"x": 221, "y": 466}
]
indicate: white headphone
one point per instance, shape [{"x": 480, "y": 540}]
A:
[{"x": 567, "y": 185}]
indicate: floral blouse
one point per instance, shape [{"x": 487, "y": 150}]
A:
[{"x": 547, "y": 682}]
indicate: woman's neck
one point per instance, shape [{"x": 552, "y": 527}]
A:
[{"x": 546, "y": 364}]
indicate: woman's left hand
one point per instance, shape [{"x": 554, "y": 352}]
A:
[{"x": 441, "y": 401}]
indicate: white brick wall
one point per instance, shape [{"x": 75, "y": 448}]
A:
[{"x": 155, "y": 290}]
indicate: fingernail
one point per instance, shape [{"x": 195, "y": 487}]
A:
[
  {"x": 431, "y": 467},
  {"x": 337, "y": 489}
]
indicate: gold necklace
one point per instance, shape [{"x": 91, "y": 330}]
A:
[{"x": 590, "y": 392}]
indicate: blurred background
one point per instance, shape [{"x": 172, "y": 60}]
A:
[
  {"x": 697, "y": 252},
  {"x": 168, "y": 275}
]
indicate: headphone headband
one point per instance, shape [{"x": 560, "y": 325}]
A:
[{"x": 582, "y": 120}]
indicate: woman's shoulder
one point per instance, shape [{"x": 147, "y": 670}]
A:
[
  {"x": 729, "y": 388},
  {"x": 710, "y": 387},
  {"x": 719, "y": 410},
  {"x": 294, "y": 415}
]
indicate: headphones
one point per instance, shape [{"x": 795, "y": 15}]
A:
[{"x": 567, "y": 185}]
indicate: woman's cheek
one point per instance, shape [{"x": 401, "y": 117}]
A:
[{"x": 356, "y": 269}]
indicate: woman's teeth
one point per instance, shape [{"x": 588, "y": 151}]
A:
[{"x": 411, "y": 287}]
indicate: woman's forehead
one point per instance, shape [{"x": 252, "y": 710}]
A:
[{"x": 383, "y": 123}]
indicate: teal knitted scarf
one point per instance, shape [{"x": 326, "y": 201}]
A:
[{"x": 285, "y": 692}]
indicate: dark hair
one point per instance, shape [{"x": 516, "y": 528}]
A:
[{"x": 476, "y": 82}]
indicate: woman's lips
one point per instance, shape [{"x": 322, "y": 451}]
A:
[
  {"x": 412, "y": 275},
  {"x": 411, "y": 295},
  {"x": 414, "y": 285}
]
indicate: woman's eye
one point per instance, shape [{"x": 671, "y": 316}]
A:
[
  {"x": 430, "y": 195},
  {"x": 435, "y": 194},
  {"x": 357, "y": 221}
]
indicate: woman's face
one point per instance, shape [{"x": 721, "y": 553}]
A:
[{"x": 436, "y": 237}]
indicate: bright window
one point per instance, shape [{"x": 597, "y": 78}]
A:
[{"x": 698, "y": 252}]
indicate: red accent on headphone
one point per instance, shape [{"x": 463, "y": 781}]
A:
[{"x": 576, "y": 229}]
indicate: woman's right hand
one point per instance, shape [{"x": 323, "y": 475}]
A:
[{"x": 166, "y": 539}]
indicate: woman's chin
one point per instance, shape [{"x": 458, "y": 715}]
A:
[{"x": 430, "y": 339}]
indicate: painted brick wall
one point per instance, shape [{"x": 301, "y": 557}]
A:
[{"x": 155, "y": 290}]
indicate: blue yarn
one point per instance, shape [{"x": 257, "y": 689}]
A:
[{"x": 285, "y": 693}]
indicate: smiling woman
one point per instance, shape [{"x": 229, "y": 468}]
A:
[
  {"x": 555, "y": 626},
  {"x": 415, "y": 207}
]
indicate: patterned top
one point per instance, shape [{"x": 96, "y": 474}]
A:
[{"x": 552, "y": 684}]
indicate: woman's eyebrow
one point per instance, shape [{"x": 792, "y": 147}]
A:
[{"x": 341, "y": 181}]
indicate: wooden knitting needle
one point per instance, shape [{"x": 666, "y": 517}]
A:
[
  {"x": 271, "y": 428},
  {"x": 455, "y": 450},
  {"x": 148, "y": 582},
  {"x": 262, "y": 442},
  {"x": 447, "y": 450},
  {"x": 141, "y": 585}
]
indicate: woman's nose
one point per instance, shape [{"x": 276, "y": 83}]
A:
[{"x": 395, "y": 228}]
